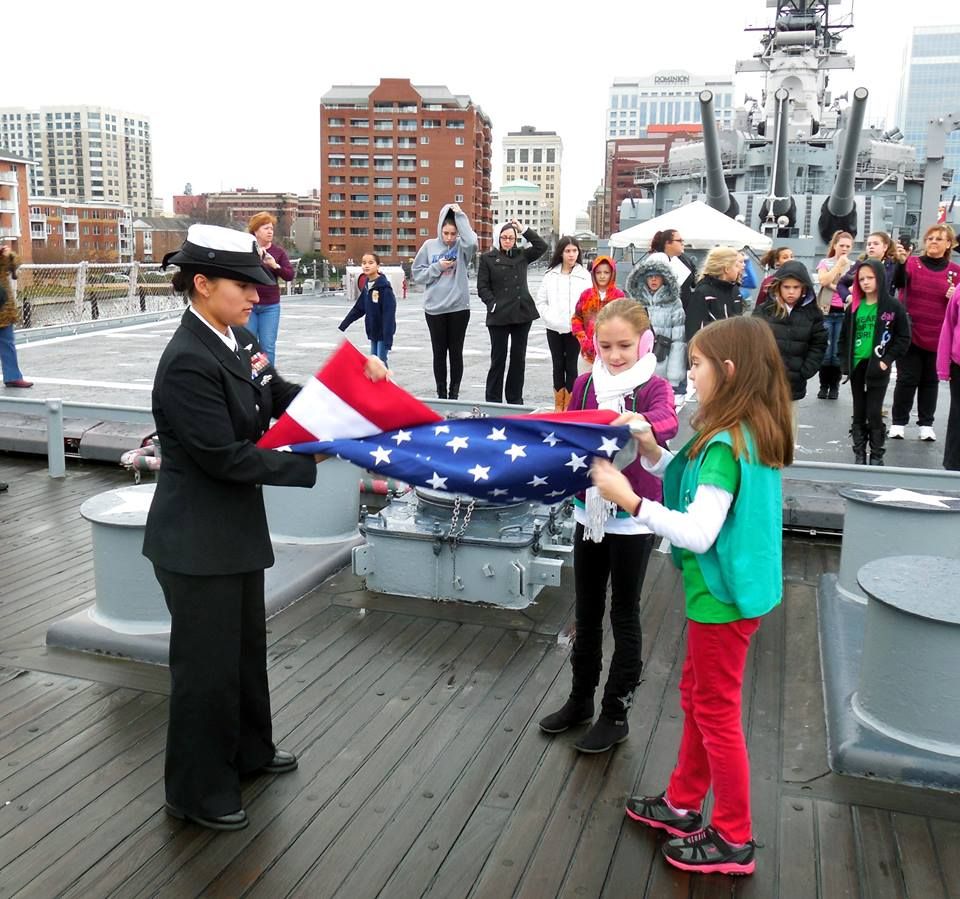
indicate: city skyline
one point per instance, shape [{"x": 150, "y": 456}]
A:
[{"x": 220, "y": 125}]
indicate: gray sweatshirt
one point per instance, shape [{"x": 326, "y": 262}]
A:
[{"x": 446, "y": 291}]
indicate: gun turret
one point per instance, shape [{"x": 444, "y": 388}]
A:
[
  {"x": 839, "y": 211},
  {"x": 779, "y": 209},
  {"x": 717, "y": 194}
]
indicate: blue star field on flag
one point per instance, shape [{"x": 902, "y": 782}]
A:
[{"x": 499, "y": 460}]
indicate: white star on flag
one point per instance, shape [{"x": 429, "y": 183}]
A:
[
  {"x": 537, "y": 481},
  {"x": 551, "y": 438},
  {"x": 497, "y": 434},
  {"x": 608, "y": 445},
  {"x": 402, "y": 437},
  {"x": 441, "y": 429},
  {"x": 458, "y": 443},
  {"x": 479, "y": 472},
  {"x": 555, "y": 493},
  {"x": 437, "y": 482},
  {"x": 515, "y": 452},
  {"x": 576, "y": 462},
  {"x": 498, "y": 492},
  {"x": 381, "y": 455}
]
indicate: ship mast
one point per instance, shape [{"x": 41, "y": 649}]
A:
[{"x": 797, "y": 53}]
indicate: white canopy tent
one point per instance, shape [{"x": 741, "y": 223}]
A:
[{"x": 701, "y": 227}]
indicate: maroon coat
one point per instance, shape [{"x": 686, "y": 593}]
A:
[{"x": 654, "y": 400}]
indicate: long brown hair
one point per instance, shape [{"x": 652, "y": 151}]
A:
[
  {"x": 832, "y": 246},
  {"x": 755, "y": 395}
]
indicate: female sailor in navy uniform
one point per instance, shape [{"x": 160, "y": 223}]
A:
[{"x": 213, "y": 397}]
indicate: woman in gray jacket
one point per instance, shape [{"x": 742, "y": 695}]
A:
[{"x": 441, "y": 265}]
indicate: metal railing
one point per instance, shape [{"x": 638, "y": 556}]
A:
[{"x": 68, "y": 294}]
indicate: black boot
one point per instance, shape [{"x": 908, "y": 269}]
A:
[
  {"x": 454, "y": 391},
  {"x": 878, "y": 437},
  {"x": 441, "y": 393},
  {"x": 575, "y": 711},
  {"x": 858, "y": 434},
  {"x": 824, "y": 383},
  {"x": 833, "y": 391},
  {"x": 604, "y": 735}
]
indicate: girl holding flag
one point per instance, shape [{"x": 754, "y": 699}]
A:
[
  {"x": 609, "y": 544},
  {"x": 721, "y": 491}
]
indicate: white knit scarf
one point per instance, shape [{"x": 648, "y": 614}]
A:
[{"x": 612, "y": 391}]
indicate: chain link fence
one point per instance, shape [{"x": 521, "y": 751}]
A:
[{"x": 86, "y": 291}]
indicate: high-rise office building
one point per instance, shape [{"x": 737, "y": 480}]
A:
[
  {"x": 84, "y": 154},
  {"x": 665, "y": 98},
  {"x": 392, "y": 155},
  {"x": 524, "y": 201},
  {"x": 930, "y": 88},
  {"x": 536, "y": 157}
]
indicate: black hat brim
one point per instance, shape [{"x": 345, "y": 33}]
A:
[{"x": 220, "y": 264}]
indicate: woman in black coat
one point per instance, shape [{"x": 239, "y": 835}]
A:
[
  {"x": 717, "y": 294},
  {"x": 214, "y": 394},
  {"x": 502, "y": 285}
]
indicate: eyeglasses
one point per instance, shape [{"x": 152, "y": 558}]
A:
[{"x": 676, "y": 240}]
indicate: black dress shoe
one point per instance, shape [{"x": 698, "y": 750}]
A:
[
  {"x": 233, "y": 821},
  {"x": 281, "y": 763}
]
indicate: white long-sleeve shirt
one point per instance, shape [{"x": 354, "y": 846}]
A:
[{"x": 695, "y": 529}]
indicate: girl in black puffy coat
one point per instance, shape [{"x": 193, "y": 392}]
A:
[{"x": 797, "y": 323}]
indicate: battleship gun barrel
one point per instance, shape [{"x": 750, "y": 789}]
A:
[
  {"x": 780, "y": 207},
  {"x": 839, "y": 211},
  {"x": 717, "y": 194}
]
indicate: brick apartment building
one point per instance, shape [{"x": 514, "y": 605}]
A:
[
  {"x": 391, "y": 156},
  {"x": 13, "y": 204},
  {"x": 626, "y": 157},
  {"x": 237, "y": 206},
  {"x": 65, "y": 231},
  {"x": 155, "y": 236}
]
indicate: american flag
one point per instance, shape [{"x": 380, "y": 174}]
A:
[{"x": 501, "y": 460}]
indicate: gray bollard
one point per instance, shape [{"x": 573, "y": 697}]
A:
[
  {"x": 328, "y": 512},
  {"x": 56, "y": 458},
  {"x": 909, "y": 689},
  {"x": 878, "y": 521},
  {"x": 129, "y": 599}
]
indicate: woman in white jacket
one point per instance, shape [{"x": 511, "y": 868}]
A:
[{"x": 564, "y": 281}]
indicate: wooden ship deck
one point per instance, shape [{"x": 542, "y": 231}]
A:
[{"x": 422, "y": 771}]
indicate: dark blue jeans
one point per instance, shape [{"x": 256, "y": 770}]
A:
[{"x": 833, "y": 322}]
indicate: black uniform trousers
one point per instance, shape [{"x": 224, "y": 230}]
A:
[
  {"x": 220, "y": 727},
  {"x": 499, "y": 337},
  {"x": 621, "y": 558}
]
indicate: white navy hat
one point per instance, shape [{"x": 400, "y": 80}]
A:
[{"x": 220, "y": 253}]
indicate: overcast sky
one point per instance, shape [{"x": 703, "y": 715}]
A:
[{"x": 233, "y": 88}]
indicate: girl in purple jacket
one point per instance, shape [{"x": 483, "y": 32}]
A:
[{"x": 609, "y": 544}]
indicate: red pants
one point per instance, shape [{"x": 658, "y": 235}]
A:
[{"x": 713, "y": 751}]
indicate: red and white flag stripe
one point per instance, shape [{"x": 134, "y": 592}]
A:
[{"x": 341, "y": 402}]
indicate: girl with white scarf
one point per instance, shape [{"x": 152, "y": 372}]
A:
[{"x": 609, "y": 544}]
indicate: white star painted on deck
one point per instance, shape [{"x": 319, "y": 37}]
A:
[
  {"x": 458, "y": 443},
  {"x": 497, "y": 434},
  {"x": 537, "y": 481},
  {"x": 441, "y": 429},
  {"x": 131, "y": 500},
  {"x": 576, "y": 462},
  {"x": 555, "y": 493},
  {"x": 899, "y": 495},
  {"x": 551, "y": 438},
  {"x": 402, "y": 437},
  {"x": 479, "y": 472},
  {"x": 515, "y": 452},
  {"x": 437, "y": 482},
  {"x": 498, "y": 492},
  {"x": 608, "y": 445},
  {"x": 381, "y": 455}
]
